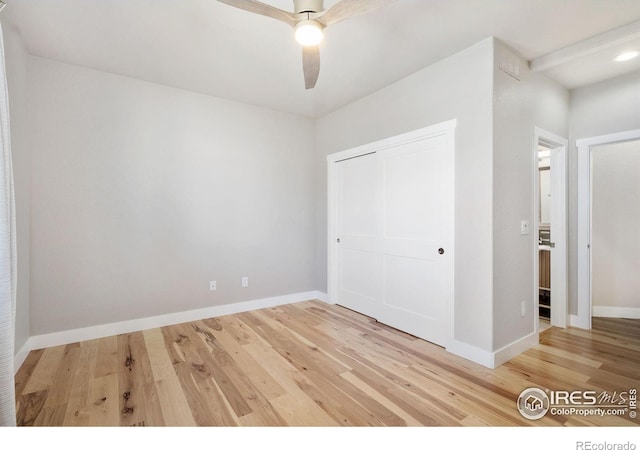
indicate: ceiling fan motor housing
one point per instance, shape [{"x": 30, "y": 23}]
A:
[{"x": 308, "y": 6}]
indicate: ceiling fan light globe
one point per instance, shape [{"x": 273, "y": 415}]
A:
[{"x": 309, "y": 33}]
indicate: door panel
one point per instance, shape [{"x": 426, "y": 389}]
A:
[
  {"x": 410, "y": 175},
  {"x": 359, "y": 261},
  {"x": 359, "y": 197},
  {"x": 408, "y": 286},
  {"x": 558, "y": 222},
  {"x": 394, "y": 228},
  {"x": 416, "y": 222},
  {"x": 359, "y": 286}
]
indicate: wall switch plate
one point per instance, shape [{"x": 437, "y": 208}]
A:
[
  {"x": 245, "y": 282},
  {"x": 212, "y": 285},
  {"x": 524, "y": 227},
  {"x": 523, "y": 309}
]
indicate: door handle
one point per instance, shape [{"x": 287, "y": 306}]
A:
[{"x": 441, "y": 251}]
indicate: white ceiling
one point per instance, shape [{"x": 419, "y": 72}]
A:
[{"x": 209, "y": 47}]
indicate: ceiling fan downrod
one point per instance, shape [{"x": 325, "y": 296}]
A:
[{"x": 307, "y": 6}]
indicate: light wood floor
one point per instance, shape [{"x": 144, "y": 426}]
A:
[{"x": 311, "y": 364}]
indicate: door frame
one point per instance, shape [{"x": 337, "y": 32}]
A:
[
  {"x": 585, "y": 193},
  {"x": 559, "y": 270},
  {"x": 446, "y": 129}
]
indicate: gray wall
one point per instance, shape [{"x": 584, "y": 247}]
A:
[
  {"x": 458, "y": 87},
  {"x": 519, "y": 106},
  {"x": 17, "y": 65},
  {"x": 604, "y": 108},
  {"x": 142, "y": 193}
]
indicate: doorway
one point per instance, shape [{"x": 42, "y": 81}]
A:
[
  {"x": 590, "y": 242},
  {"x": 550, "y": 230}
]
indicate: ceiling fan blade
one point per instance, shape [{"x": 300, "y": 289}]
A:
[
  {"x": 349, "y": 8},
  {"x": 263, "y": 9},
  {"x": 311, "y": 65}
]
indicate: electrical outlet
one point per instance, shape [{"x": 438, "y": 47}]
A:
[
  {"x": 245, "y": 282},
  {"x": 523, "y": 309},
  {"x": 212, "y": 285}
]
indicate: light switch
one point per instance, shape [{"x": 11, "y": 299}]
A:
[{"x": 524, "y": 227}]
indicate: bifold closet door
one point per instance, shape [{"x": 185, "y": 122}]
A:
[{"x": 394, "y": 236}]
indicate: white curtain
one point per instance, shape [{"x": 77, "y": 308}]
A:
[{"x": 7, "y": 257}]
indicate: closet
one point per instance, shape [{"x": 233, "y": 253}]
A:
[{"x": 391, "y": 211}]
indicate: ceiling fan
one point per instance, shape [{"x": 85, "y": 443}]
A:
[{"x": 309, "y": 19}]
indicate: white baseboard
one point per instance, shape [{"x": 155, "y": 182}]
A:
[
  {"x": 616, "y": 312},
  {"x": 493, "y": 359},
  {"x": 514, "y": 349},
  {"x": 574, "y": 320},
  {"x": 324, "y": 297},
  {"x": 130, "y": 326},
  {"x": 471, "y": 353},
  {"x": 21, "y": 355}
]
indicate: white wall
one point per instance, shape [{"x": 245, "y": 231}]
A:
[
  {"x": 458, "y": 87},
  {"x": 519, "y": 106},
  {"x": 615, "y": 243},
  {"x": 142, "y": 193},
  {"x": 604, "y": 108},
  {"x": 16, "y": 65}
]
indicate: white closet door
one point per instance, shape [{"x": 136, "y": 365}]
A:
[
  {"x": 394, "y": 235},
  {"x": 359, "y": 258},
  {"x": 416, "y": 238}
]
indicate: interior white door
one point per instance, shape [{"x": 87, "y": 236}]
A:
[
  {"x": 394, "y": 241},
  {"x": 558, "y": 227},
  {"x": 359, "y": 260},
  {"x": 416, "y": 235}
]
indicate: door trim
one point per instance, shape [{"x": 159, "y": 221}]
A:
[
  {"x": 441, "y": 129},
  {"x": 560, "y": 302},
  {"x": 584, "y": 217}
]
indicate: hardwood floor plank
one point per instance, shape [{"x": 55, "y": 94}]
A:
[
  {"x": 107, "y": 363},
  {"x": 245, "y": 362},
  {"x": 298, "y": 410},
  {"x": 80, "y": 397},
  {"x": 194, "y": 371},
  {"x": 212, "y": 367},
  {"x": 42, "y": 377},
  {"x": 404, "y": 416},
  {"x": 173, "y": 404},
  {"x": 24, "y": 374},
  {"x": 103, "y": 406},
  {"x": 52, "y": 416},
  {"x": 29, "y": 406},
  {"x": 264, "y": 413},
  {"x": 568, "y": 356},
  {"x": 303, "y": 409},
  {"x": 197, "y": 398},
  {"x": 313, "y": 364},
  {"x": 135, "y": 371},
  {"x": 60, "y": 387}
]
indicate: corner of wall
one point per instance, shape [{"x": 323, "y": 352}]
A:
[
  {"x": 16, "y": 59},
  {"x": 522, "y": 100}
]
